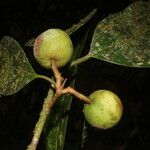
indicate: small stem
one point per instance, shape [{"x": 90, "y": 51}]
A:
[
  {"x": 81, "y": 23},
  {"x": 72, "y": 29},
  {"x": 80, "y": 60},
  {"x": 47, "y": 78},
  {"x": 50, "y": 99},
  {"x": 60, "y": 85},
  {"x": 77, "y": 94},
  {"x": 57, "y": 75}
]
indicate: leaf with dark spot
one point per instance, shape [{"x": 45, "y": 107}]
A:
[
  {"x": 15, "y": 69},
  {"x": 124, "y": 38}
]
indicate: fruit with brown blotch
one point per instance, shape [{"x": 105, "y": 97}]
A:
[{"x": 53, "y": 44}]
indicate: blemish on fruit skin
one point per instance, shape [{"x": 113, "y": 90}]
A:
[
  {"x": 53, "y": 44},
  {"x": 37, "y": 45}
]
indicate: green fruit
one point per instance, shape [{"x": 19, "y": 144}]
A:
[
  {"x": 105, "y": 111},
  {"x": 53, "y": 44}
]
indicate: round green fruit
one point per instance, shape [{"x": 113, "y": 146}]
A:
[
  {"x": 105, "y": 110},
  {"x": 53, "y": 44}
]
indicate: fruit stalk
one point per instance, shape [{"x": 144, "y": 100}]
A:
[{"x": 50, "y": 101}]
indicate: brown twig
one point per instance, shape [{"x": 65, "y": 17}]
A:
[
  {"x": 50, "y": 101},
  {"x": 60, "y": 82},
  {"x": 57, "y": 75},
  {"x": 80, "y": 96}
]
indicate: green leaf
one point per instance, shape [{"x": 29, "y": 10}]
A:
[
  {"x": 57, "y": 121},
  {"x": 15, "y": 69},
  {"x": 124, "y": 38}
]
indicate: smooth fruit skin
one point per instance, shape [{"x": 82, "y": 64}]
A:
[
  {"x": 105, "y": 111},
  {"x": 53, "y": 44}
]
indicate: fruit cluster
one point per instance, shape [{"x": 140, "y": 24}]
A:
[{"x": 105, "y": 109}]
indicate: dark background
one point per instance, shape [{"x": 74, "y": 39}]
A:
[{"x": 24, "y": 19}]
